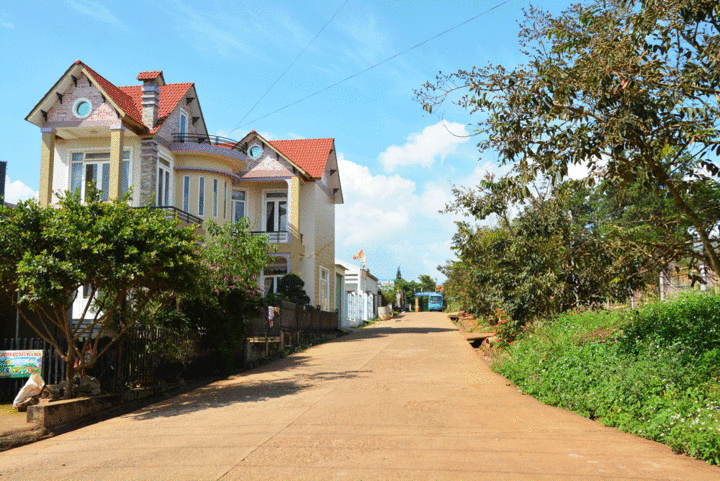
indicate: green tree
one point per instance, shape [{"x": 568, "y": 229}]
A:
[
  {"x": 427, "y": 283},
  {"x": 555, "y": 253},
  {"x": 232, "y": 258},
  {"x": 387, "y": 292},
  {"x": 408, "y": 288},
  {"x": 398, "y": 275},
  {"x": 291, "y": 289},
  {"x": 127, "y": 259},
  {"x": 627, "y": 88}
]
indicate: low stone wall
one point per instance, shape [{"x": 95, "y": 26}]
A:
[{"x": 66, "y": 411}]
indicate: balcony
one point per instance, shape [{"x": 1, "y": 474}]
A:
[
  {"x": 209, "y": 144},
  {"x": 274, "y": 237},
  {"x": 210, "y": 140},
  {"x": 183, "y": 216}
]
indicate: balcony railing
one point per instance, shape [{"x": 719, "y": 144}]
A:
[
  {"x": 210, "y": 140},
  {"x": 186, "y": 217},
  {"x": 274, "y": 237}
]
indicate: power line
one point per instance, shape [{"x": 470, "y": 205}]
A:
[
  {"x": 377, "y": 64},
  {"x": 288, "y": 67}
]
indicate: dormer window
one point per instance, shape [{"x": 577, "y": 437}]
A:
[{"x": 82, "y": 108}]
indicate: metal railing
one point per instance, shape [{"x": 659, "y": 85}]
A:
[
  {"x": 210, "y": 140},
  {"x": 186, "y": 217},
  {"x": 274, "y": 237}
]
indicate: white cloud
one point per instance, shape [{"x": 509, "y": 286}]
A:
[
  {"x": 95, "y": 10},
  {"x": 8, "y": 25},
  {"x": 373, "y": 42},
  {"x": 377, "y": 207},
  {"x": 421, "y": 149},
  {"x": 17, "y": 191}
]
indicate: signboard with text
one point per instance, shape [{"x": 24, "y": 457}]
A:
[{"x": 20, "y": 363}]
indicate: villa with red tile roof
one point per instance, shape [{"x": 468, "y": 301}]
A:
[{"x": 151, "y": 140}]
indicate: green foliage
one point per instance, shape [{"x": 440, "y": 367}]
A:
[
  {"x": 229, "y": 294},
  {"x": 545, "y": 256},
  {"x": 388, "y": 294},
  {"x": 235, "y": 255},
  {"x": 128, "y": 258},
  {"x": 427, "y": 284},
  {"x": 652, "y": 371},
  {"x": 626, "y": 88},
  {"x": 291, "y": 289}
]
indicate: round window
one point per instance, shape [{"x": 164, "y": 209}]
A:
[
  {"x": 82, "y": 108},
  {"x": 255, "y": 151}
]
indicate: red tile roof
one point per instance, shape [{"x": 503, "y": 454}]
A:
[
  {"x": 152, "y": 74},
  {"x": 129, "y": 98},
  {"x": 170, "y": 95},
  {"x": 310, "y": 154}
]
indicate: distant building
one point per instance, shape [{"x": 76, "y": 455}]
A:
[{"x": 362, "y": 298}]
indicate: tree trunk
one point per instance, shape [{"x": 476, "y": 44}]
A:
[
  {"x": 684, "y": 208},
  {"x": 70, "y": 374}
]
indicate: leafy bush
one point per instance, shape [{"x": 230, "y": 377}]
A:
[{"x": 653, "y": 372}]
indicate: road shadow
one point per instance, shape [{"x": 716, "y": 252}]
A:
[
  {"x": 382, "y": 331},
  {"x": 238, "y": 389}
]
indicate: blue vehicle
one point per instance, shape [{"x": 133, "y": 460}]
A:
[{"x": 435, "y": 300}]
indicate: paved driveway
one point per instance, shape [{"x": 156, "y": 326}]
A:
[{"x": 404, "y": 399}]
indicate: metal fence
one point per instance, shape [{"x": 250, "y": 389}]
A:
[{"x": 148, "y": 356}]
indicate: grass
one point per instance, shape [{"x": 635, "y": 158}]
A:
[
  {"x": 368, "y": 323},
  {"x": 653, "y": 371},
  {"x": 8, "y": 409}
]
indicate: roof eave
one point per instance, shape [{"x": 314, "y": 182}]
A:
[{"x": 36, "y": 112}]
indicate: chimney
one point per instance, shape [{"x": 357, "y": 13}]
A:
[
  {"x": 3, "y": 166},
  {"x": 152, "y": 81}
]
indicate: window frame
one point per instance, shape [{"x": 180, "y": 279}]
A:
[
  {"x": 276, "y": 201},
  {"x": 233, "y": 217},
  {"x": 183, "y": 115},
  {"x": 127, "y": 160},
  {"x": 168, "y": 170},
  {"x": 186, "y": 193},
  {"x": 276, "y": 277},
  {"x": 201, "y": 196},
  {"x": 216, "y": 192},
  {"x": 324, "y": 290}
]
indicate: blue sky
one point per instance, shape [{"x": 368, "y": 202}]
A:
[{"x": 397, "y": 164}]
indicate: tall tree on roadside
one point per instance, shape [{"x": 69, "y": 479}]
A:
[{"x": 628, "y": 88}]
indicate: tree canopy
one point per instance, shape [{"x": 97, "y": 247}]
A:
[
  {"x": 628, "y": 89},
  {"x": 567, "y": 246}
]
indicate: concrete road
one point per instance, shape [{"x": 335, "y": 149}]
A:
[{"x": 403, "y": 399}]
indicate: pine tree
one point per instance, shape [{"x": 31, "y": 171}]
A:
[{"x": 398, "y": 275}]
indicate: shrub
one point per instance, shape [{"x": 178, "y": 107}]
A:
[{"x": 652, "y": 371}]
